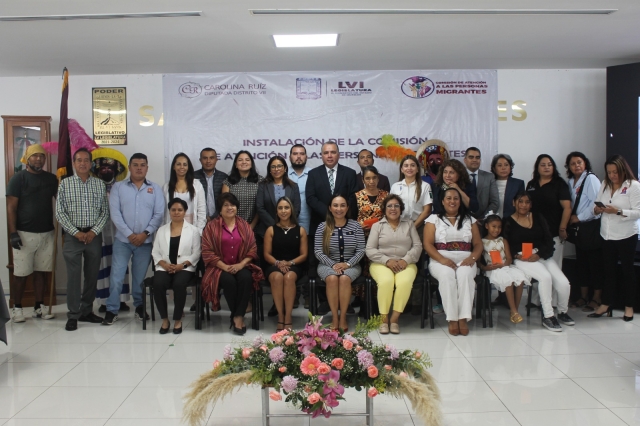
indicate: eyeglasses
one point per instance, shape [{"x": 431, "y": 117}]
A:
[
  {"x": 393, "y": 206},
  {"x": 277, "y": 167}
]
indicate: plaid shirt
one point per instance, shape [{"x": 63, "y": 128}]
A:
[{"x": 82, "y": 204}]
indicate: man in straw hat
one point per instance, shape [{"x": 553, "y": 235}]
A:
[{"x": 30, "y": 219}]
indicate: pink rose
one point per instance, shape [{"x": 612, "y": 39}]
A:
[
  {"x": 388, "y": 367},
  {"x": 277, "y": 339},
  {"x": 216, "y": 364},
  {"x": 358, "y": 348},
  {"x": 403, "y": 374},
  {"x": 338, "y": 363},
  {"x": 324, "y": 368},
  {"x": 314, "y": 397},
  {"x": 275, "y": 395},
  {"x": 289, "y": 341},
  {"x": 282, "y": 369},
  {"x": 372, "y": 392},
  {"x": 264, "y": 348},
  {"x": 347, "y": 345},
  {"x": 372, "y": 371},
  {"x": 246, "y": 352},
  {"x": 418, "y": 355}
]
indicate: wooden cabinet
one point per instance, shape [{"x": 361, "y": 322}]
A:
[{"x": 19, "y": 133}]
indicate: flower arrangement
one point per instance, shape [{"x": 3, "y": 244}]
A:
[{"x": 313, "y": 366}]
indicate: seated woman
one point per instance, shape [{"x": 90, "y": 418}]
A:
[
  {"x": 285, "y": 249},
  {"x": 176, "y": 250},
  {"x": 339, "y": 247},
  {"x": 452, "y": 241},
  {"x": 526, "y": 227},
  {"x": 393, "y": 248},
  {"x": 230, "y": 254},
  {"x": 453, "y": 174}
]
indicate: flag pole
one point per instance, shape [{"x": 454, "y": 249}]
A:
[{"x": 53, "y": 270}]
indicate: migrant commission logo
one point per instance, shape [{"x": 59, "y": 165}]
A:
[
  {"x": 308, "y": 88},
  {"x": 190, "y": 90},
  {"x": 417, "y": 87},
  {"x": 351, "y": 88}
]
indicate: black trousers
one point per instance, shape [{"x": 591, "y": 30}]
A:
[
  {"x": 163, "y": 281},
  {"x": 237, "y": 290},
  {"x": 624, "y": 251},
  {"x": 589, "y": 270}
]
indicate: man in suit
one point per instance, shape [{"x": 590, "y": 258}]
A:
[
  {"x": 211, "y": 179},
  {"x": 485, "y": 182},
  {"x": 365, "y": 158}
]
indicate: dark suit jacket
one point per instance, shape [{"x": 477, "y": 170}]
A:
[
  {"x": 513, "y": 187},
  {"x": 266, "y": 204},
  {"x": 218, "y": 179},
  {"x": 383, "y": 182},
  {"x": 487, "y": 194},
  {"x": 318, "y": 193}
]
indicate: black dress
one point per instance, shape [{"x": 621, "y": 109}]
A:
[{"x": 285, "y": 246}]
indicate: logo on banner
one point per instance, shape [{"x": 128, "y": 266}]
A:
[
  {"x": 351, "y": 88},
  {"x": 308, "y": 88},
  {"x": 190, "y": 90},
  {"x": 417, "y": 87}
]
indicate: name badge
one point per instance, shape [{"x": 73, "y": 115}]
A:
[{"x": 150, "y": 190}]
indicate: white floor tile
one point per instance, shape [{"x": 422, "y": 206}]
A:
[
  {"x": 56, "y": 422},
  {"x": 182, "y": 352},
  {"x": 76, "y": 403},
  {"x": 128, "y": 352},
  {"x": 257, "y": 421},
  {"x": 613, "y": 391},
  {"x": 162, "y": 375},
  {"x": 630, "y": 416},
  {"x": 606, "y": 325},
  {"x": 529, "y": 395},
  {"x": 33, "y": 373},
  {"x": 15, "y": 398},
  {"x": 568, "y": 418},
  {"x": 515, "y": 368},
  {"x": 454, "y": 370},
  {"x": 584, "y": 365},
  {"x": 564, "y": 343},
  {"x": 618, "y": 342},
  {"x": 9, "y": 351},
  {"x": 145, "y": 422},
  {"x": 634, "y": 357},
  {"x": 474, "y": 419},
  {"x": 125, "y": 374},
  {"x": 86, "y": 333},
  {"x": 467, "y": 397},
  {"x": 156, "y": 403},
  {"x": 379, "y": 420},
  {"x": 67, "y": 352},
  {"x": 481, "y": 346},
  {"x": 435, "y": 348}
]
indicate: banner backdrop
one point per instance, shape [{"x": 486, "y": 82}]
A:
[{"x": 267, "y": 113}]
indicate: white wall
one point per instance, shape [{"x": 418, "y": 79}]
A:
[{"x": 565, "y": 111}]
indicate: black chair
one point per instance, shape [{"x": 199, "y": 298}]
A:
[
  {"x": 315, "y": 282},
  {"x": 194, "y": 282}
]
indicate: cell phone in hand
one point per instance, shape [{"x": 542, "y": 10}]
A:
[{"x": 600, "y": 204}]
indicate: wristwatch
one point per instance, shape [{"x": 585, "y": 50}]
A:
[
  {"x": 185, "y": 265},
  {"x": 348, "y": 264},
  {"x": 619, "y": 212},
  {"x": 146, "y": 232},
  {"x": 293, "y": 263}
]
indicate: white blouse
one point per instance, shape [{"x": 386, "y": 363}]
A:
[
  {"x": 412, "y": 208},
  {"x": 627, "y": 198},
  {"x": 446, "y": 232}
]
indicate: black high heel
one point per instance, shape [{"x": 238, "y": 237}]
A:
[
  {"x": 608, "y": 312},
  {"x": 627, "y": 319}
]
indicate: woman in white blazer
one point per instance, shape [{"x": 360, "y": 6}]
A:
[
  {"x": 176, "y": 251},
  {"x": 182, "y": 184}
]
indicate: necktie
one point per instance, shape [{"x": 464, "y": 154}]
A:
[
  {"x": 332, "y": 184},
  {"x": 473, "y": 178}
]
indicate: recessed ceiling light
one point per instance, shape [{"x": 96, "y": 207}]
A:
[
  {"x": 305, "y": 40},
  {"x": 432, "y": 11},
  {"x": 99, "y": 16}
]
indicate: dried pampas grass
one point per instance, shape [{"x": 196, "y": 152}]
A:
[
  {"x": 210, "y": 388},
  {"x": 423, "y": 394}
]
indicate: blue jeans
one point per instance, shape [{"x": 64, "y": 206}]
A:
[{"x": 120, "y": 256}]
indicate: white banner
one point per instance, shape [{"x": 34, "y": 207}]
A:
[{"x": 267, "y": 113}]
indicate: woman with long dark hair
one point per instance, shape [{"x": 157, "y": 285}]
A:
[
  {"x": 620, "y": 194},
  {"x": 415, "y": 193},
  {"x": 508, "y": 186},
  {"x": 584, "y": 186},
  {"x": 184, "y": 186},
  {"x": 243, "y": 183},
  {"x": 453, "y": 174}
]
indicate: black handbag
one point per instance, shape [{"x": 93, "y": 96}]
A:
[{"x": 585, "y": 235}]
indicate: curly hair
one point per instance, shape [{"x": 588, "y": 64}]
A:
[
  {"x": 587, "y": 163},
  {"x": 459, "y": 168}
]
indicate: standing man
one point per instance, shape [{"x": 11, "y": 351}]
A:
[
  {"x": 365, "y": 158},
  {"x": 299, "y": 173},
  {"x": 211, "y": 179},
  {"x": 82, "y": 210},
  {"x": 485, "y": 182},
  {"x": 137, "y": 209},
  {"x": 30, "y": 196}
]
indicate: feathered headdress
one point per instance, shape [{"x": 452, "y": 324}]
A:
[
  {"x": 392, "y": 150},
  {"x": 79, "y": 139}
]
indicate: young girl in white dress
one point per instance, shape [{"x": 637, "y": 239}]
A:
[{"x": 503, "y": 275}]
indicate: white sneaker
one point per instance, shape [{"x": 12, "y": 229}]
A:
[
  {"x": 18, "y": 315},
  {"x": 42, "y": 312}
]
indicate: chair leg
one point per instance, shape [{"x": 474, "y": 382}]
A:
[
  {"x": 312, "y": 295},
  {"x": 432, "y": 322},
  {"x": 261, "y": 306},
  {"x": 423, "y": 307},
  {"x": 144, "y": 305},
  {"x": 529, "y": 293},
  {"x": 255, "y": 311},
  {"x": 198, "y": 306},
  {"x": 488, "y": 303},
  {"x": 480, "y": 301},
  {"x": 368, "y": 297}
]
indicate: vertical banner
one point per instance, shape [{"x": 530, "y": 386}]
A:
[{"x": 267, "y": 113}]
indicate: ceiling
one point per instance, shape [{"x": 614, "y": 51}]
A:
[{"x": 229, "y": 38}]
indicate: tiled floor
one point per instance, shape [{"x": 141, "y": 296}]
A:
[{"x": 508, "y": 375}]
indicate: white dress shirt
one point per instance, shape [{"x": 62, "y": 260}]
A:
[
  {"x": 412, "y": 208},
  {"x": 627, "y": 198}
]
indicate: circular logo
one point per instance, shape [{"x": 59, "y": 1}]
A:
[
  {"x": 417, "y": 87},
  {"x": 190, "y": 90}
]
